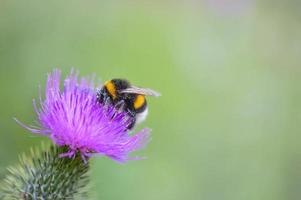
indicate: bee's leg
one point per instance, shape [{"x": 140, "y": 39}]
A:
[
  {"x": 120, "y": 106},
  {"x": 131, "y": 124},
  {"x": 132, "y": 115},
  {"x": 102, "y": 96}
]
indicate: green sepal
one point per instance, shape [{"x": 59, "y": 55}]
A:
[{"x": 44, "y": 175}]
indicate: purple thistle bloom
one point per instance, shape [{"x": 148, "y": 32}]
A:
[{"x": 74, "y": 118}]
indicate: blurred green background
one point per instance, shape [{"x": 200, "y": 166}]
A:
[{"x": 228, "y": 123}]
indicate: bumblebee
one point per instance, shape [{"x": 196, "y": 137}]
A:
[{"x": 128, "y": 98}]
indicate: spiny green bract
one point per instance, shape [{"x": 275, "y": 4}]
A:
[{"x": 44, "y": 175}]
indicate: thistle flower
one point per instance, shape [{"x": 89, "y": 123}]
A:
[{"x": 72, "y": 117}]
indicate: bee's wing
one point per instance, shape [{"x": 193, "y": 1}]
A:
[{"x": 143, "y": 91}]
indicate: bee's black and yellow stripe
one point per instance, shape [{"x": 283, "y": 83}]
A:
[
  {"x": 139, "y": 103},
  {"x": 134, "y": 102},
  {"x": 111, "y": 89},
  {"x": 126, "y": 98}
]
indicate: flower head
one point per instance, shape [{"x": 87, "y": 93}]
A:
[{"x": 73, "y": 117}]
